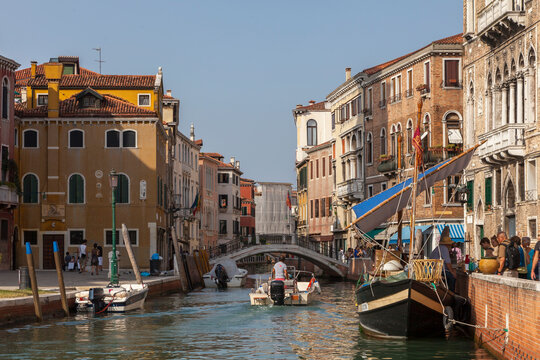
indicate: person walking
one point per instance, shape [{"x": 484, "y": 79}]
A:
[
  {"x": 67, "y": 260},
  {"x": 524, "y": 269},
  {"x": 82, "y": 256},
  {"x": 100, "y": 258},
  {"x": 535, "y": 268},
  {"x": 508, "y": 256},
  {"x": 94, "y": 260}
]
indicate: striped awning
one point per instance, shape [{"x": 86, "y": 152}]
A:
[
  {"x": 457, "y": 232},
  {"x": 406, "y": 233}
]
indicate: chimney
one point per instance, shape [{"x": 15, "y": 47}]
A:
[
  {"x": 238, "y": 165},
  {"x": 298, "y": 106},
  {"x": 233, "y": 160},
  {"x": 311, "y": 102},
  {"x": 33, "y": 65},
  {"x": 53, "y": 74},
  {"x": 169, "y": 93},
  {"x": 191, "y": 132},
  {"x": 347, "y": 74}
]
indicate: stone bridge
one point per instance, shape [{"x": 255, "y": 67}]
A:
[{"x": 330, "y": 265}]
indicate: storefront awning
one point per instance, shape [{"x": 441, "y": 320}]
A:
[
  {"x": 406, "y": 233},
  {"x": 457, "y": 233}
]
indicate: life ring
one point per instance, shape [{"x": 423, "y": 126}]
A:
[{"x": 448, "y": 317}]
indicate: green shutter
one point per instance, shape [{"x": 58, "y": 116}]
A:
[
  {"x": 76, "y": 189},
  {"x": 122, "y": 190},
  {"x": 30, "y": 189},
  {"x": 470, "y": 194},
  {"x": 488, "y": 191}
]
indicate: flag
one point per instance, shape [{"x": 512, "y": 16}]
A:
[
  {"x": 417, "y": 143},
  {"x": 289, "y": 200},
  {"x": 196, "y": 204}
]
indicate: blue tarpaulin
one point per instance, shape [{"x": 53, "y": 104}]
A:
[{"x": 406, "y": 233}]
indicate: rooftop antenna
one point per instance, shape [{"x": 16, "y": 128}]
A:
[{"x": 99, "y": 61}]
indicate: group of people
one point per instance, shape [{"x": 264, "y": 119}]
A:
[
  {"x": 515, "y": 255},
  {"x": 79, "y": 260},
  {"x": 357, "y": 252}
]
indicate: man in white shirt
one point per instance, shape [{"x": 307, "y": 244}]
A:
[
  {"x": 82, "y": 252},
  {"x": 279, "y": 272}
]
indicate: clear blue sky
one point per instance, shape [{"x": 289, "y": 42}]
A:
[{"x": 238, "y": 67}]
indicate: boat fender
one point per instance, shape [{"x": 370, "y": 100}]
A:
[
  {"x": 448, "y": 317},
  {"x": 310, "y": 283}
]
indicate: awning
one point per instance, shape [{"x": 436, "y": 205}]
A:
[
  {"x": 406, "y": 233},
  {"x": 377, "y": 209},
  {"x": 457, "y": 233},
  {"x": 454, "y": 136},
  {"x": 384, "y": 235},
  {"x": 371, "y": 234}
]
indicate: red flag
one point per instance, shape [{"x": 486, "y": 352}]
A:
[
  {"x": 289, "y": 200},
  {"x": 417, "y": 143}
]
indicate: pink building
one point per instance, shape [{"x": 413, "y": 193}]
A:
[
  {"x": 319, "y": 195},
  {"x": 208, "y": 170},
  {"x": 9, "y": 174}
]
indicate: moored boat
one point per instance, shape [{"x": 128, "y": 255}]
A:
[
  {"x": 120, "y": 298},
  {"x": 225, "y": 274}
]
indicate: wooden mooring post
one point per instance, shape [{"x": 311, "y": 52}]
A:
[
  {"x": 33, "y": 281},
  {"x": 127, "y": 243},
  {"x": 60, "y": 275}
]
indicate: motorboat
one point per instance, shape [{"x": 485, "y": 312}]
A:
[
  {"x": 225, "y": 274},
  {"x": 119, "y": 298},
  {"x": 288, "y": 292}
]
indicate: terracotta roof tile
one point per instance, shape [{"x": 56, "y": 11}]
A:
[
  {"x": 454, "y": 39},
  {"x": 317, "y": 106},
  {"x": 99, "y": 81},
  {"x": 165, "y": 96},
  {"x": 213, "y": 155},
  {"x": 22, "y": 76},
  {"x": 199, "y": 142},
  {"x": 111, "y": 106}
]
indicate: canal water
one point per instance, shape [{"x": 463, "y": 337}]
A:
[{"x": 211, "y": 324}]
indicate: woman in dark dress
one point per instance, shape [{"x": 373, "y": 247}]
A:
[{"x": 94, "y": 260}]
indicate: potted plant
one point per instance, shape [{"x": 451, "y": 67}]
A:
[{"x": 385, "y": 157}]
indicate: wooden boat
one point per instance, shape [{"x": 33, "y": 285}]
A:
[
  {"x": 120, "y": 298},
  {"x": 417, "y": 303},
  {"x": 289, "y": 292}
]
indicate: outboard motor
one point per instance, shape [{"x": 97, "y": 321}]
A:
[
  {"x": 96, "y": 295},
  {"x": 277, "y": 292},
  {"x": 221, "y": 277}
]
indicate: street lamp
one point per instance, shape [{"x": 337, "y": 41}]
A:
[{"x": 113, "y": 181}]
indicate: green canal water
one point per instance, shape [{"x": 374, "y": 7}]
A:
[{"x": 210, "y": 324}]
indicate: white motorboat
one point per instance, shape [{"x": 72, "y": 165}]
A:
[
  {"x": 225, "y": 274},
  {"x": 288, "y": 292},
  {"x": 119, "y": 298}
]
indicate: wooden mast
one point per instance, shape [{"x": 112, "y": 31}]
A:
[
  {"x": 400, "y": 212},
  {"x": 415, "y": 179}
]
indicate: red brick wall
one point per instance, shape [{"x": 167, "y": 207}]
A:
[{"x": 519, "y": 300}]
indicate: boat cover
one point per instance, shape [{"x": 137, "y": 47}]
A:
[
  {"x": 230, "y": 268},
  {"x": 377, "y": 209}
]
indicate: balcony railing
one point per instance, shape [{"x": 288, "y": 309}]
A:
[
  {"x": 409, "y": 92},
  {"x": 389, "y": 165},
  {"x": 353, "y": 188},
  {"x": 8, "y": 196},
  {"x": 395, "y": 98},
  {"x": 496, "y": 11},
  {"x": 503, "y": 144}
]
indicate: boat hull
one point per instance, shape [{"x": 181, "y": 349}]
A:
[
  {"x": 406, "y": 308},
  {"x": 236, "y": 282},
  {"x": 134, "y": 300},
  {"x": 292, "y": 298}
]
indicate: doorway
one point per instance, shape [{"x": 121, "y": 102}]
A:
[
  {"x": 48, "y": 253},
  {"x": 511, "y": 225}
]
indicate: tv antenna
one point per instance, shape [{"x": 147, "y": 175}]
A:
[{"x": 99, "y": 61}]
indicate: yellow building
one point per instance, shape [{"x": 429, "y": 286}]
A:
[{"x": 71, "y": 132}]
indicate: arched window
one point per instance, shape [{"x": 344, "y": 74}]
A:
[
  {"x": 532, "y": 58},
  {"x": 30, "y": 189},
  {"x": 393, "y": 140},
  {"x": 426, "y": 141},
  {"x": 513, "y": 67},
  {"x": 122, "y": 190},
  {"x": 453, "y": 129},
  {"x": 354, "y": 145},
  {"x": 311, "y": 132},
  {"x": 30, "y": 139},
  {"x": 112, "y": 138},
  {"x": 129, "y": 139},
  {"x": 383, "y": 141},
  {"x": 5, "y": 99},
  {"x": 409, "y": 136},
  {"x": 76, "y": 139},
  {"x": 521, "y": 61},
  {"x": 76, "y": 189},
  {"x": 369, "y": 148}
]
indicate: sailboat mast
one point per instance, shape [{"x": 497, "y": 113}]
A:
[{"x": 415, "y": 179}]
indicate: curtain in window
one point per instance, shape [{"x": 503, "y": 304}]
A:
[
  {"x": 76, "y": 189},
  {"x": 30, "y": 189}
]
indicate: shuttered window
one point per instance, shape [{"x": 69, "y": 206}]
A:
[
  {"x": 451, "y": 73},
  {"x": 488, "y": 191},
  {"x": 470, "y": 194},
  {"x": 76, "y": 189},
  {"x": 30, "y": 189},
  {"x": 122, "y": 190}
]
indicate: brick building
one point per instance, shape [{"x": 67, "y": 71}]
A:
[
  {"x": 208, "y": 170},
  {"x": 247, "y": 220},
  {"x": 501, "y": 76}
]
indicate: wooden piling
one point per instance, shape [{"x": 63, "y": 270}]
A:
[
  {"x": 60, "y": 275},
  {"x": 179, "y": 261},
  {"x": 33, "y": 281},
  {"x": 134, "y": 265}
]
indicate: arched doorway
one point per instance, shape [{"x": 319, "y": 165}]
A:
[{"x": 510, "y": 204}]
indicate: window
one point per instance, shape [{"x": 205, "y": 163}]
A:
[
  {"x": 76, "y": 139},
  {"x": 144, "y": 99},
  {"x": 129, "y": 139},
  {"x": 323, "y": 167},
  {"x": 382, "y": 103},
  {"x": 311, "y": 208},
  {"x": 370, "y": 191},
  {"x": 452, "y": 183},
  {"x": 16, "y": 133},
  {"x": 329, "y": 204},
  {"x": 498, "y": 187},
  {"x": 488, "y": 191},
  {"x": 369, "y": 101},
  {"x": 90, "y": 102},
  {"x": 333, "y": 120},
  {"x": 76, "y": 189},
  {"x": 311, "y": 132},
  {"x": 426, "y": 76},
  {"x": 76, "y": 237},
  {"x": 323, "y": 207},
  {"x": 409, "y": 83},
  {"x": 409, "y": 136},
  {"x": 426, "y": 141},
  {"x": 311, "y": 170},
  {"x": 369, "y": 148},
  {"x": 530, "y": 192},
  {"x": 30, "y": 236},
  {"x": 42, "y": 99},
  {"x": 30, "y": 139},
  {"x": 5, "y": 99},
  {"x": 236, "y": 227},
  {"x": 317, "y": 208},
  {"x": 30, "y": 189},
  {"x": 223, "y": 200},
  {"x": 383, "y": 141},
  {"x": 122, "y": 190},
  {"x": 330, "y": 165},
  {"x": 112, "y": 139},
  {"x": 120, "y": 241},
  {"x": 384, "y": 186},
  {"x": 453, "y": 127},
  {"x": 451, "y": 73},
  {"x": 223, "y": 227},
  {"x": 429, "y": 195},
  {"x": 359, "y": 103},
  {"x": 317, "y": 172},
  {"x": 532, "y": 228},
  {"x": 223, "y": 178},
  {"x": 5, "y": 160},
  {"x": 244, "y": 210},
  {"x": 470, "y": 195}
]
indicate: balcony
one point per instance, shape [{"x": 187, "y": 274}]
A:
[
  {"x": 504, "y": 144},
  {"x": 352, "y": 189},
  {"x": 8, "y": 196},
  {"x": 389, "y": 165},
  {"x": 500, "y": 20}
]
